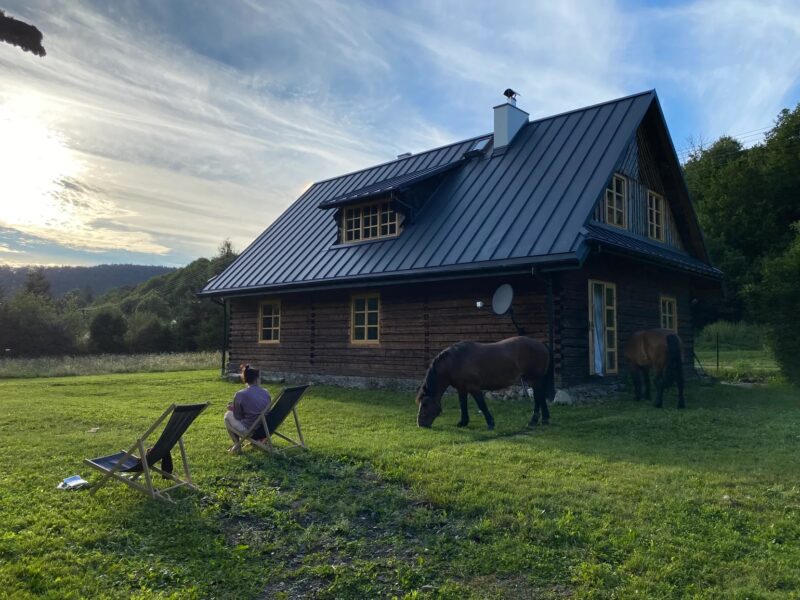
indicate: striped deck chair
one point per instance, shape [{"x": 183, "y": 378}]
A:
[
  {"x": 129, "y": 466},
  {"x": 261, "y": 432}
]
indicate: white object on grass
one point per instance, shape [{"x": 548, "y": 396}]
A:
[{"x": 72, "y": 483}]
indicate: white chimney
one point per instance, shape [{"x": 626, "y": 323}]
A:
[{"x": 508, "y": 120}]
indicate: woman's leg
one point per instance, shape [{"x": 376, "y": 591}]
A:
[{"x": 233, "y": 424}]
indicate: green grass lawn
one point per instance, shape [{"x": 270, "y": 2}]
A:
[
  {"x": 740, "y": 365},
  {"x": 616, "y": 500}
]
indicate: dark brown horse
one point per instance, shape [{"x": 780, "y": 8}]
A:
[
  {"x": 471, "y": 367},
  {"x": 659, "y": 349}
]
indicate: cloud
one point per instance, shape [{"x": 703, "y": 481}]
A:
[{"x": 176, "y": 125}]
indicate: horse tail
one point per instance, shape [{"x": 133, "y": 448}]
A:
[
  {"x": 549, "y": 378},
  {"x": 674, "y": 370}
]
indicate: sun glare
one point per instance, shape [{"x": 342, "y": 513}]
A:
[{"x": 33, "y": 160}]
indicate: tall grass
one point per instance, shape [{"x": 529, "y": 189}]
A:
[
  {"x": 732, "y": 336},
  {"x": 98, "y": 364}
]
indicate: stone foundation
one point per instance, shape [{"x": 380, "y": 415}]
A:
[{"x": 578, "y": 394}]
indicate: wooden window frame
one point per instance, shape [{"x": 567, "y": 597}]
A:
[
  {"x": 611, "y": 205},
  {"x": 610, "y": 369},
  {"x": 368, "y": 222},
  {"x": 656, "y": 211},
  {"x": 366, "y": 326},
  {"x": 664, "y": 316},
  {"x": 273, "y": 327}
]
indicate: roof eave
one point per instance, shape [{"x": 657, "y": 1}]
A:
[
  {"x": 709, "y": 272},
  {"x": 552, "y": 262}
]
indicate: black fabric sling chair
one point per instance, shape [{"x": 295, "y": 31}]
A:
[
  {"x": 127, "y": 467},
  {"x": 261, "y": 432}
]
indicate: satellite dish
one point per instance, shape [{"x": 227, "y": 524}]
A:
[{"x": 502, "y": 299}]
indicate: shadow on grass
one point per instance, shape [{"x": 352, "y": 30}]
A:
[
  {"x": 722, "y": 429},
  {"x": 305, "y": 526}
]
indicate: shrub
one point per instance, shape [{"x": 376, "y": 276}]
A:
[
  {"x": 147, "y": 333},
  {"x": 778, "y": 301},
  {"x": 107, "y": 332},
  {"x": 30, "y": 326}
]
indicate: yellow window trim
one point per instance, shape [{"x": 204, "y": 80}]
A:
[
  {"x": 261, "y": 305},
  {"x": 674, "y": 303},
  {"x": 366, "y": 298},
  {"x": 624, "y": 201},
  {"x": 660, "y": 208},
  {"x": 610, "y": 369}
]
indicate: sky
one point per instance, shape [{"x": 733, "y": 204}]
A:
[{"x": 154, "y": 130}]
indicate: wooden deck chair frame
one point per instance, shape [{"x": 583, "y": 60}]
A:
[
  {"x": 132, "y": 478},
  {"x": 247, "y": 436}
]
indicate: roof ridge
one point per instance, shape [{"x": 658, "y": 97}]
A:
[
  {"x": 388, "y": 162},
  {"x": 485, "y": 135},
  {"x": 598, "y": 105}
]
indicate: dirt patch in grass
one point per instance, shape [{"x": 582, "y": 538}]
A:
[{"x": 345, "y": 532}]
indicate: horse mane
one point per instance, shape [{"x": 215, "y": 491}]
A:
[{"x": 429, "y": 383}]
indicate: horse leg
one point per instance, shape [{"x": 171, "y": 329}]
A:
[
  {"x": 659, "y": 389},
  {"x": 484, "y": 409},
  {"x": 679, "y": 383},
  {"x": 462, "y": 400},
  {"x": 646, "y": 378},
  {"x": 637, "y": 383},
  {"x": 536, "y": 403},
  {"x": 545, "y": 410}
]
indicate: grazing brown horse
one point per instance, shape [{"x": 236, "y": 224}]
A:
[
  {"x": 659, "y": 349},
  {"x": 471, "y": 367}
]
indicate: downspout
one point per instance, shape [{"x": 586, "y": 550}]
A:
[{"x": 224, "y": 345}]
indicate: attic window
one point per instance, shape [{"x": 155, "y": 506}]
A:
[
  {"x": 655, "y": 216},
  {"x": 616, "y": 203},
  {"x": 368, "y": 222}
]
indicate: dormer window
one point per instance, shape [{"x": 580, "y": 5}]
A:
[
  {"x": 369, "y": 221},
  {"x": 616, "y": 203}
]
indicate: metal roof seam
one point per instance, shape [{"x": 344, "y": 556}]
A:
[
  {"x": 610, "y": 140},
  {"x": 529, "y": 173}
]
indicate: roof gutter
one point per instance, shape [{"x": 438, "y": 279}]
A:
[
  {"x": 609, "y": 249},
  {"x": 553, "y": 262}
]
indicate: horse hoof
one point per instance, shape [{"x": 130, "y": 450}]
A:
[
  {"x": 658, "y": 405},
  {"x": 490, "y": 426},
  {"x": 681, "y": 406},
  {"x": 532, "y": 425},
  {"x": 462, "y": 423},
  {"x": 545, "y": 422}
]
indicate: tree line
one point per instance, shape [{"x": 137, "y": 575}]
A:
[
  {"x": 162, "y": 314},
  {"x": 748, "y": 203}
]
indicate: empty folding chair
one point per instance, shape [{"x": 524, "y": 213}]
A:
[{"x": 129, "y": 468}]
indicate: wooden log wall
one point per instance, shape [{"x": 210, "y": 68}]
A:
[
  {"x": 417, "y": 321},
  {"x": 639, "y": 287}
]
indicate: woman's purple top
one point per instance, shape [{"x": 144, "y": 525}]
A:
[{"x": 249, "y": 403}]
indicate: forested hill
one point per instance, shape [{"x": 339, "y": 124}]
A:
[
  {"x": 161, "y": 314},
  {"x": 93, "y": 281}
]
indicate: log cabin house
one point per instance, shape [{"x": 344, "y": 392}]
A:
[{"x": 367, "y": 276}]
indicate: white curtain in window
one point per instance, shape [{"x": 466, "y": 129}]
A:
[{"x": 598, "y": 302}]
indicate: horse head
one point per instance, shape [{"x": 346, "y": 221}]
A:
[
  {"x": 429, "y": 399},
  {"x": 430, "y": 407}
]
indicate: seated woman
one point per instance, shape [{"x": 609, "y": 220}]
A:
[{"x": 246, "y": 406}]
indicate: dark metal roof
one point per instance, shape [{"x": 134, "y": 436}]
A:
[
  {"x": 527, "y": 205},
  {"x": 386, "y": 186},
  {"x": 639, "y": 246}
]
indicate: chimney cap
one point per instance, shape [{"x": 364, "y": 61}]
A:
[{"x": 510, "y": 94}]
